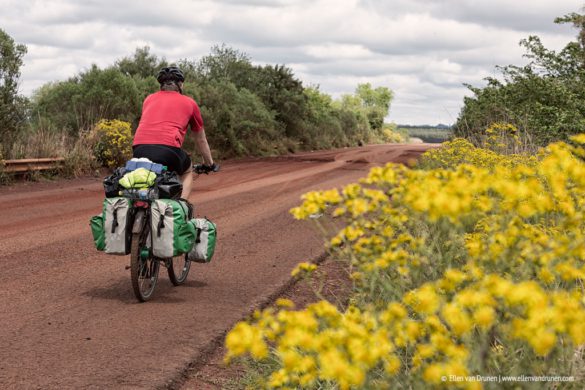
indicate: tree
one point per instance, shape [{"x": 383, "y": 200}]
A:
[
  {"x": 376, "y": 102},
  {"x": 322, "y": 128},
  {"x": 236, "y": 121},
  {"x": 80, "y": 102},
  {"x": 275, "y": 85},
  {"x": 282, "y": 93},
  {"x": 545, "y": 99},
  {"x": 142, "y": 63},
  {"x": 223, "y": 63},
  {"x": 12, "y": 106},
  {"x": 370, "y": 105},
  {"x": 578, "y": 21},
  {"x": 142, "y": 67}
]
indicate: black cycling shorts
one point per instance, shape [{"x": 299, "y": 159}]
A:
[{"x": 174, "y": 158}]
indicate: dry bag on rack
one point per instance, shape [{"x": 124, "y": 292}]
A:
[
  {"x": 111, "y": 183},
  {"x": 205, "y": 240},
  {"x": 168, "y": 185},
  {"x": 110, "y": 229},
  {"x": 172, "y": 232}
]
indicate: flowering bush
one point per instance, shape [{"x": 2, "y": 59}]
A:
[
  {"x": 303, "y": 269},
  {"x": 473, "y": 265},
  {"x": 392, "y": 136},
  {"x": 454, "y": 153},
  {"x": 114, "y": 142}
]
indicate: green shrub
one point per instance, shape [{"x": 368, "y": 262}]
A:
[{"x": 237, "y": 123}]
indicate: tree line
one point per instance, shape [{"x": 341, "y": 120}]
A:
[
  {"x": 252, "y": 110},
  {"x": 248, "y": 110}
]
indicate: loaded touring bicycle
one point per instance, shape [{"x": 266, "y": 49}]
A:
[{"x": 144, "y": 217}]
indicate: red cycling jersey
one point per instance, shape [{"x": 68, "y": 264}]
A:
[{"x": 164, "y": 120}]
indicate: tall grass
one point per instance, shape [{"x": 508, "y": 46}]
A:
[
  {"x": 78, "y": 152},
  {"x": 80, "y": 157},
  {"x": 39, "y": 143}
]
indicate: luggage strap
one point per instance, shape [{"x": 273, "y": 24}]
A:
[
  {"x": 161, "y": 225},
  {"x": 198, "y": 238},
  {"x": 115, "y": 221}
]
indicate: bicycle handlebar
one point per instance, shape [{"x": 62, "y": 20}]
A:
[{"x": 202, "y": 168}]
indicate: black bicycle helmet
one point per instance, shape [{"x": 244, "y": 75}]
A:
[{"x": 170, "y": 74}]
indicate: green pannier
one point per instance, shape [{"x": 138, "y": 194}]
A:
[
  {"x": 110, "y": 230},
  {"x": 172, "y": 232},
  {"x": 204, "y": 247},
  {"x": 97, "y": 229}
]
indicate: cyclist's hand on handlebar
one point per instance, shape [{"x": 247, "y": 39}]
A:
[{"x": 203, "y": 168}]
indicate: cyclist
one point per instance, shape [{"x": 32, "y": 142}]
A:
[{"x": 166, "y": 114}]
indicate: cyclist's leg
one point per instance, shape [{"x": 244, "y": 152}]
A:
[
  {"x": 187, "y": 180},
  {"x": 186, "y": 173}
]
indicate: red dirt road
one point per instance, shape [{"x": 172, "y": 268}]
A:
[{"x": 68, "y": 317}]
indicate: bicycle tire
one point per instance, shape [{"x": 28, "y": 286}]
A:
[
  {"x": 142, "y": 270},
  {"x": 178, "y": 269}
]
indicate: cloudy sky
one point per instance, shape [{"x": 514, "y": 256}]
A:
[{"x": 424, "y": 50}]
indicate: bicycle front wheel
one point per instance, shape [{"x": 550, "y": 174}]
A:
[
  {"x": 178, "y": 269},
  {"x": 143, "y": 268}
]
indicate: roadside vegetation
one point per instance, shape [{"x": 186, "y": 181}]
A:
[
  {"x": 465, "y": 268},
  {"x": 470, "y": 264},
  {"x": 248, "y": 110}
]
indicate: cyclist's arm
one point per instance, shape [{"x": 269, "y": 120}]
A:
[{"x": 203, "y": 146}]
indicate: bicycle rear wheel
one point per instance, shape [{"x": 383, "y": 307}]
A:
[
  {"x": 143, "y": 267},
  {"x": 178, "y": 269}
]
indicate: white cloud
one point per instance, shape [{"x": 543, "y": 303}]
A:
[
  {"x": 424, "y": 50},
  {"x": 338, "y": 51}
]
